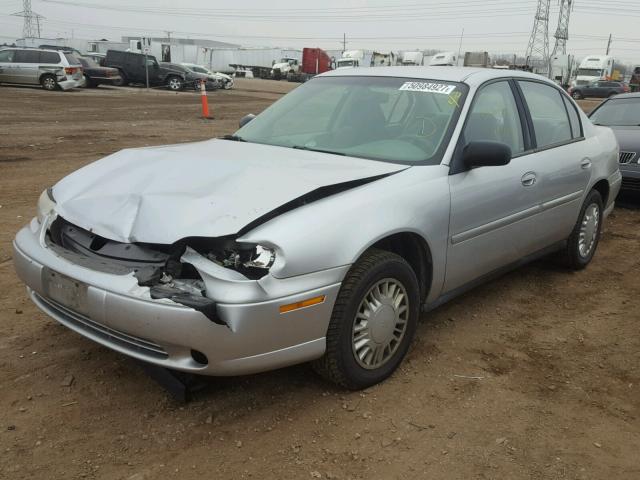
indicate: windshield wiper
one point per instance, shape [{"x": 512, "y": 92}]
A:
[
  {"x": 302, "y": 147},
  {"x": 234, "y": 138}
]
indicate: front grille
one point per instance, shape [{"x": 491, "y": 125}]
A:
[
  {"x": 109, "y": 335},
  {"x": 626, "y": 157},
  {"x": 631, "y": 184}
]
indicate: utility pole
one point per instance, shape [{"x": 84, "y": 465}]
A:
[
  {"x": 169, "y": 41},
  {"x": 344, "y": 42},
  {"x": 460, "y": 48},
  {"x": 539, "y": 41},
  {"x": 31, "y": 25},
  {"x": 609, "y": 44}
]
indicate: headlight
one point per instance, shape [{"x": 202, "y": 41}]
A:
[
  {"x": 262, "y": 257},
  {"x": 46, "y": 204},
  {"x": 252, "y": 260}
]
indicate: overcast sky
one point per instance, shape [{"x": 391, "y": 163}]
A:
[{"x": 498, "y": 26}]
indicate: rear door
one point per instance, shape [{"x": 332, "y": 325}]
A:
[
  {"x": 7, "y": 66},
  {"x": 492, "y": 208},
  {"x": 561, "y": 166}
]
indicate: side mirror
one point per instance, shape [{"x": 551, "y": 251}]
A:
[
  {"x": 246, "y": 119},
  {"x": 486, "y": 154}
]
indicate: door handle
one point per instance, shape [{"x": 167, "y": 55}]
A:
[
  {"x": 585, "y": 163},
  {"x": 528, "y": 179}
]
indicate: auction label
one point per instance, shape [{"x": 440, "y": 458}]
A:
[{"x": 428, "y": 87}]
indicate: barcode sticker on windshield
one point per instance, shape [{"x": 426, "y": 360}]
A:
[{"x": 428, "y": 87}]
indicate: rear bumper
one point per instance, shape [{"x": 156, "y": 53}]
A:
[
  {"x": 68, "y": 84},
  {"x": 122, "y": 316}
]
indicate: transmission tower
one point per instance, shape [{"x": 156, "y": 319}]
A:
[
  {"x": 562, "y": 33},
  {"x": 31, "y": 25},
  {"x": 538, "y": 48}
]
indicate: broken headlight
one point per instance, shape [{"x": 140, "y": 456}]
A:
[
  {"x": 46, "y": 204},
  {"x": 253, "y": 261}
]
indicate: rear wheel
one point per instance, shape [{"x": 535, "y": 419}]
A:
[
  {"x": 174, "y": 83},
  {"x": 48, "y": 82},
  {"x": 373, "y": 322},
  {"x": 583, "y": 241},
  {"x": 577, "y": 95}
]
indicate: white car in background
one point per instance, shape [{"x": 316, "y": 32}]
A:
[{"x": 225, "y": 81}]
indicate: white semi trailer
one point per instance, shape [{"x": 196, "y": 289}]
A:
[{"x": 594, "y": 67}]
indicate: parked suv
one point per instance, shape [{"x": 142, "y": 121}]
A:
[
  {"x": 599, "y": 89},
  {"x": 33, "y": 66},
  {"x": 132, "y": 70}
]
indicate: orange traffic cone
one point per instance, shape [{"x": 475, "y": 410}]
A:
[{"x": 205, "y": 102}]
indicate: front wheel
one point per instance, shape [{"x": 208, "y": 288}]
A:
[
  {"x": 174, "y": 83},
  {"x": 373, "y": 322},
  {"x": 577, "y": 95},
  {"x": 583, "y": 241}
]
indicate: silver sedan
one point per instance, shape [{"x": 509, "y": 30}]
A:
[{"x": 323, "y": 227}]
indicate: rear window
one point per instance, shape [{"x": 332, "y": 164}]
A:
[
  {"x": 49, "y": 57},
  {"x": 71, "y": 59}
]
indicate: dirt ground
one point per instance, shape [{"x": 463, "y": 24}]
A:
[{"x": 533, "y": 376}]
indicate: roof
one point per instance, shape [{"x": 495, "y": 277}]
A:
[{"x": 468, "y": 75}]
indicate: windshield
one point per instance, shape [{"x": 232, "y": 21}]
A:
[
  {"x": 589, "y": 72},
  {"x": 88, "y": 62},
  {"x": 381, "y": 118},
  {"x": 620, "y": 112}
]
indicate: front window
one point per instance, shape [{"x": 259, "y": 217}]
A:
[
  {"x": 589, "y": 72},
  {"x": 380, "y": 118},
  {"x": 618, "y": 112}
]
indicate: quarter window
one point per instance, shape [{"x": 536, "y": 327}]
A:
[
  {"x": 49, "y": 57},
  {"x": 494, "y": 117},
  {"x": 550, "y": 120}
]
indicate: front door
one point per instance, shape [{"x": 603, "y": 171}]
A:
[
  {"x": 8, "y": 66},
  {"x": 492, "y": 208}
]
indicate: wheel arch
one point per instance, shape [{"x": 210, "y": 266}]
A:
[
  {"x": 415, "y": 249},
  {"x": 602, "y": 187}
]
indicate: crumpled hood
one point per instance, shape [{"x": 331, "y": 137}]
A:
[{"x": 208, "y": 189}]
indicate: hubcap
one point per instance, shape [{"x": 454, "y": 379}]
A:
[
  {"x": 589, "y": 230},
  {"x": 380, "y": 323},
  {"x": 49, "y": 83},
  {"x": 174, "y": 84}
]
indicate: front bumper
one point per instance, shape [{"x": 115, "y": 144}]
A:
[
  {"x": 630, "y": 177},
  {"x": 122, "y": 316}
]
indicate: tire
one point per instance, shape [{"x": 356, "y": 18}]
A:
[
  {"x": 49, "y": 82},
  {"x": 344, "y": 362},
  {"x": 227, "y": 85},
  {"x": 576, "y": 256},
  {"x": 122, "y": 82},
  {"x": 174, "y": 83},
  {"x": 577, "y": 95},
  {"x": 611, "y": 94}
]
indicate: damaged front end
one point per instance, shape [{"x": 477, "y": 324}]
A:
[{"x": 186, "y": 272}]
